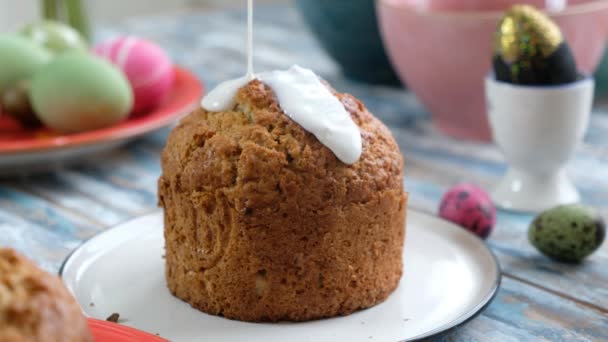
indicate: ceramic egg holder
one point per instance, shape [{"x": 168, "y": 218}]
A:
[{"x": 538, "y": 128}]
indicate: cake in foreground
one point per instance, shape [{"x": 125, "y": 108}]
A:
[
  {"x": 265, "y": 223},
  {"x": 35, "y": 305}
]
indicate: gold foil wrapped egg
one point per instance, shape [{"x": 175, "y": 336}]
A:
[{"x": 529, "y": 49}]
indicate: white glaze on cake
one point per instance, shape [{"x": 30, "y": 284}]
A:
[
  {"x": 303, "y": 97},
  {"x": 307, "y": 101}
]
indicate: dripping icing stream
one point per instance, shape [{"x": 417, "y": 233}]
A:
[{"x": 302, "y": 96}]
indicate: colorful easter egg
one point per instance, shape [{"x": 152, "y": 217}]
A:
[
  {"x": 55, "y": 36},
  {"x": 567, "y": 233},
  {"x": 147, "y": 66},
  {"x": 15, "y": 101},
  {"x": 530, "y": 49},
  {"x": 78, "y": 92},
  {"x": 20, "y": 58},
  {"x": 470, "y": 207}
]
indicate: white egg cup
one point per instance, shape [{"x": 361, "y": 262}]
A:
[{"x": 538, "y": 129}]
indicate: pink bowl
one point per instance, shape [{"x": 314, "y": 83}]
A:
[{"x": 443, "y": 49}]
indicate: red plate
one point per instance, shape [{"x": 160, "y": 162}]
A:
[
  {"x": 184, "y": 97},
  {"x": 111, "y": 332}
]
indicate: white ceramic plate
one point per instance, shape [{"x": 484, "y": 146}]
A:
[{"x": 449, "y": 276}]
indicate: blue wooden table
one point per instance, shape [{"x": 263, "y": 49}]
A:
[{"x": 46, "y": 216}]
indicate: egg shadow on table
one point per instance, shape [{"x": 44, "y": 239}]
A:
[{"x": 544, "y": 265}]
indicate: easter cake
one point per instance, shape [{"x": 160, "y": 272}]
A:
[
  {"x": 35, "y": 305},
  {"x": 264, "y": 222}
]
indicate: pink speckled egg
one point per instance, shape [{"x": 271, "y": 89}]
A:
[
  {"x": 469, "y": 206},
  {"x": 147, "y": 67}
]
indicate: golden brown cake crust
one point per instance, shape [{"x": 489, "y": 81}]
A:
[
  {"x": 264, "y": 223},
  {"x": 35, "y": 306}
]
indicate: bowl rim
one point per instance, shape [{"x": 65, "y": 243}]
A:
[{"x": 590, "y": 6}]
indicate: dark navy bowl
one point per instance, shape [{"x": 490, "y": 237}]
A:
[
  {"x": 348, "y": 31},
  {"x": 601, "y": 77}
]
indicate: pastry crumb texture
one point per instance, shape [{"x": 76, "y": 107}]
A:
[
  {"x": 35, "y": 305},
  {"x": 264, "y": 223}
]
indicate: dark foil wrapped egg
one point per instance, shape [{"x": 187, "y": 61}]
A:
[{"x": 530, "y": 49}]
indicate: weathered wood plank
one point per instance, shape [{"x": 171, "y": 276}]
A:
[
  {"x": 524, "y": 313},
  {"x": 52, "y": 189},
  {"x": 109, "y": 195},
  {"x": 124, "y": 181},
  {"x": 39, "y": 212},
  {"x": 42, "y": 231},
  {"x": 45, "y": 247}
]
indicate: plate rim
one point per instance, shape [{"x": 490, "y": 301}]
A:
[
  {"x": 455, "y": 324},
  {"x": 113, "y": 134},
  {"x": 483, "y": 304}
]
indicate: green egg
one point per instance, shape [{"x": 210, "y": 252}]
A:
[
  {"x": 567, "y": 233},
  {"x": 20, "y": 58},
  {"x": 55, "y": 36},
  {"x": 79, "y": 92}
]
